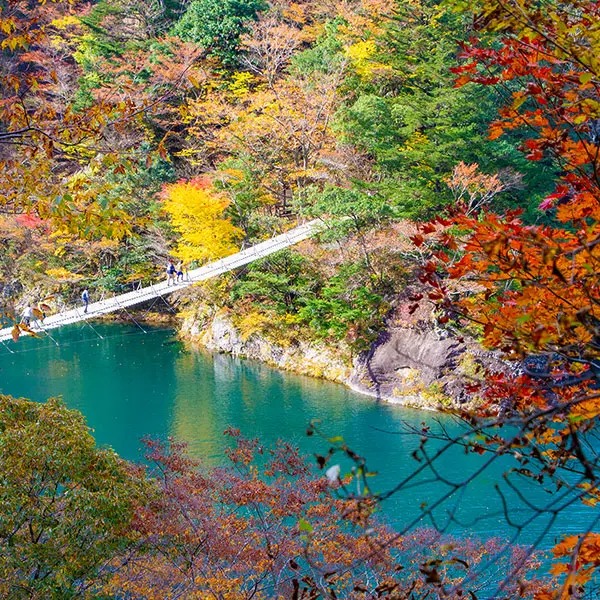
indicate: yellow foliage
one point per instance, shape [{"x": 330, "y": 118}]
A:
[
  {"x": 241, "y": 83},
  {"x": 416, "y": 140},
  {"x": 105, "y": 244},
  {"x": 587, "y": 409},
  {"x": 66, "y": 21},
  {"x": 295, "y": 12},
  {"x": 592, "y": 497},
  {"x": 251, "y": 323},
  {"x": 232, "y": 175},
  {"x": 290, "y": 319},
  {"x": 62, "y": 274},
  {"x": 361, "y": 51},
  {"x": 196, "y": 211}
]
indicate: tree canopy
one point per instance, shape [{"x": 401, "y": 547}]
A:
[
  {"x": 67, "y": 506},
  {"x": 130, "y": 132}
]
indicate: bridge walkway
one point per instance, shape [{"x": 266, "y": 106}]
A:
[{"x": 156, "y": 290}]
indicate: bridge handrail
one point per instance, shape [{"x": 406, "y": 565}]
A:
[{"x": 155, "y": 290}]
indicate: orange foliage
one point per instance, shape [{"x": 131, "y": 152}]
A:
[
  {"x": 269, "y": 528},
  {"x": 533, "y": 292}
]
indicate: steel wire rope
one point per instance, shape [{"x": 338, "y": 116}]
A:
[
  {"x": 87, "y": 322},
  {"x": 88, "y": 339},
  {"x": 132, "y": 317},
  {"x": 40, "y": 325},
  {"x": 156, "y": 297},
  {"x": 7, "y": 347}
]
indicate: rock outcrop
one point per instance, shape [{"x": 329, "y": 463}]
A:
[
  {"x": 218, "y": 333},
  {"x": 426, "y": 368},
  {"x": 415, "y": 364}
]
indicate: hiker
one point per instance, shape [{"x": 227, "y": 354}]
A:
[
  {"x": 179, "y": 269},
  {"x": 42, "y": 308},
  {"x": 171, "y": 272},
  {"x": 26, "y": 315},
  {"x": 85, "y": 298}
]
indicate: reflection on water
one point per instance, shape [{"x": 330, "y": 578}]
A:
[{"x": 130, "y": 384}]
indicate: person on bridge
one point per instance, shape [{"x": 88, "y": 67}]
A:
[
  {"x": 42, "y": 308},
  {"x": 179, "y": 269},
  {"x": 26, "y": 315},
  {"x": 85, "y": 298},
  {"x": 171, "y": 272}
]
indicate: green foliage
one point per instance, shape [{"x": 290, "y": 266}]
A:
[
  {"x": 96, "y": 43},
  {"x": 135, "y": 262},
  {"x": 114, "y": 27},
  {"x": 283, "y": 282},
  {"x": 415, "y": 124},
  {"x": 66, "y": 505},
  {"x": 374, "y": 123},
  {"x": 325, "y": 56},
  {"x": 217, "y": 25},
  {"x": 354, "y": 208},
  {"x": 134, "y": 182},
  {"x": 238, "y": 179},
  {"x": 348, "y": 306}
]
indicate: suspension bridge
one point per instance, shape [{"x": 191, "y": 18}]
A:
[{"x": 158, "y": 290}]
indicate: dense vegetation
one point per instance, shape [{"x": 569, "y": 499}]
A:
[
  {"x": 84, "y": 524},
  {"x": 131, "y": 131},
  {"x": 124, "y": 110}
]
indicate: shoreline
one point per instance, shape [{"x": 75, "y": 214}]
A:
[{"x": 219, "y": 334}]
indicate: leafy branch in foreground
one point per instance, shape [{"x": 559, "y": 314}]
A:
[
  {"x": 531, "y": 292},
  {"x": 269, "y": 528}
]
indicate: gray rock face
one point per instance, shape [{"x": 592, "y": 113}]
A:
[
  {"x": 422, "y": 367},
  {"x": 408, "y": 349},
  {"x": 223, "y": 337},
  {"x": 219, "y": 334}
]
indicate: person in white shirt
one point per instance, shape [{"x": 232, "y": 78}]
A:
[{"x": 26, "y": 315}]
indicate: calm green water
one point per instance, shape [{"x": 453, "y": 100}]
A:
[{"x": 132, "y": 384}]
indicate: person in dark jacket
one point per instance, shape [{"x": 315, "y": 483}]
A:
[{"x": 85, "y": 298}]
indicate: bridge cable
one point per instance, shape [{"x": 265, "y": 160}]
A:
[
  {"x": 158, "y": 295},
  {"x": 40, "y": 324},
  {"x": 8, "y": 347},
  {"x": 87, "y": 322},
  {"x": 129, "y": 314},
  {"x": 84, "y": 340}
]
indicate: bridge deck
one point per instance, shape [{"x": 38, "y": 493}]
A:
[{"x": 108, "y": 305}]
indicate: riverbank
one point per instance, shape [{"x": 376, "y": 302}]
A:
[
  {"x": 413, "y": 362},
  {"x": 416, "y": 365}
]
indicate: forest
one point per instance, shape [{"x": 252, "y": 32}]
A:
[{"x": 450, "y": 148}]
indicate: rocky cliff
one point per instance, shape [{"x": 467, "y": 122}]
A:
[
  {"x": 218, "y": 333},
  {"x": 422, "y": 367},
  {"x": 415, "y": 364}
]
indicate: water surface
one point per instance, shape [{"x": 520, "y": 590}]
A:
[{"x": 129, "y": 384}]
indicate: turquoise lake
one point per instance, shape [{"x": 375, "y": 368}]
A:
[{"x": 129, "y": 384}]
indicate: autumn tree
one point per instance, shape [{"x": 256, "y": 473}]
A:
[
  {"x": 267, "y": 527},
  {"x": 196, "y": 211},
  {"x": 474, "y": 191},
  {"x": 78, "y": 522},
  {"x": 270, "y": 46},
  {"x": 66, "y": 505},
  {"x": 69, "y": 147},
  {"x": 532, "y": 291},
  {"x": 44, "y": 138}
]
